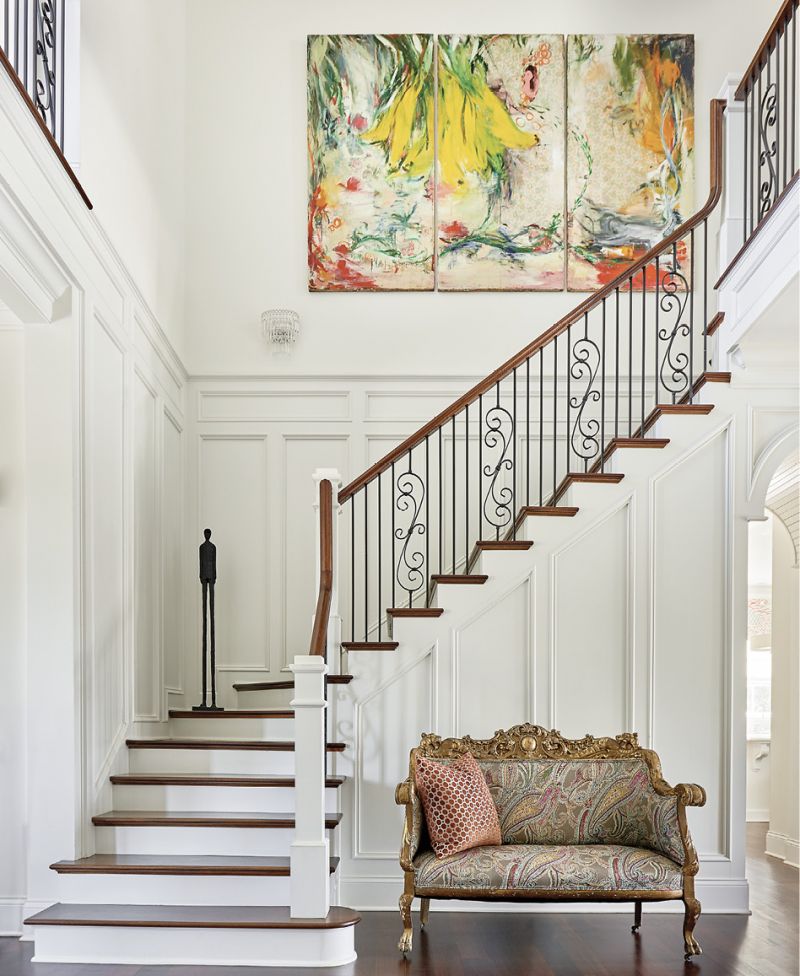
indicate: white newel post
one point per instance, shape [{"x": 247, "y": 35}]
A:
[{"x": 310, "y": 854}]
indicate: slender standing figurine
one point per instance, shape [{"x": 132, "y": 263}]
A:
[{"x": 208, "y": 576}]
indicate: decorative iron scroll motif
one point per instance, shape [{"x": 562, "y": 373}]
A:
[
  {"x": 766, "y": 121},
  {"x": 499, "y": 436},
  {"x": 45, "y": 93},
  {"x": 585, "y": 433},
  {"x": 410, "y": 497},
  {"x": 673, "y": 370}
]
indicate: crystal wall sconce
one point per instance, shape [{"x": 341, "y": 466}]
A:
[{"x": 281, "y": 327}]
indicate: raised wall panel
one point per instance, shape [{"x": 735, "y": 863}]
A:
[
  {"x": 299, "y": 544},
  {"x": 146, "y": 653},
  {"x": 495, "y": 651},
  {"x": 388, "y": 726},
  {"x": 689, "y": 680},
  {"x": 234, "y": 504},
  {"x": 591, "y": 631},
  {"x": 106, "y": 492},
  {"x": 172, "y": 622},
  {"x": 273, "y": 405}
]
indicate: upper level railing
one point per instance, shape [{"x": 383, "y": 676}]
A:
[
  {"x": 551, "y": 415},
  {"x": 769, "y": 92},
  {"x": 33, "y": 52}
]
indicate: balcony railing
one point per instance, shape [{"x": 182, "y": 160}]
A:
[{"x": 769, "y": 92}]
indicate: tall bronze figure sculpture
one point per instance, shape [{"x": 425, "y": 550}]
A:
[{"x": 208, "y": 577}]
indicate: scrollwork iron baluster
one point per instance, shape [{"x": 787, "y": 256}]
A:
[
  {"x": 766, "y": 157},
  {"x": 673, "y": 372},
  {"x": 410, "y": 562},
  {"x": 44, "y": 71},
  {"x": 584, "y": 435},
  {"x": 497, "y": 501}
]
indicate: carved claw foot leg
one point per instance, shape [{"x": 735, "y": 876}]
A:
[
  {"x": 404, "y": 945},
  {"x": 691, "y": 947},
  {"x": 423, "y": 912},
  {"x": 637, "y": 916}
]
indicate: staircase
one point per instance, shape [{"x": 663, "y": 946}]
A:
[{"x": 196, "y": 853}]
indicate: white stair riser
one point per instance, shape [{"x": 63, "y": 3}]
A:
[
  {"x": 234, "y": 841},
  {"x": 496, "y": 564},
  {"x": 212, "y": 761},
  {"x": 170, "y": 889},
  {"x": 275, "y": 698},
  {"x": 278, "y": 729},
  {"x": 197, "y": 947},
  {"x": 234, "y": 799}
]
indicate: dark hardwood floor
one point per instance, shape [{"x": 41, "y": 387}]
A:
[{"x": 764, "y": 944}]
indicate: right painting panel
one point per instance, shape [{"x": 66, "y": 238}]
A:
[{"x": 630, "y": 108}]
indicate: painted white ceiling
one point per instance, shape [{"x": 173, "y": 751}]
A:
[{"x": 783, "y": 497}]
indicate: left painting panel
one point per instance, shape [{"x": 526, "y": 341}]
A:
[{"x": 371, "y": 149}]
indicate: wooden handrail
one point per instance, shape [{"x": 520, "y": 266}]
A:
[
  {"x": 319, "y": 633},
  {"x": 783, "y": 17},
  {"x": 717, "y": 113},
  {"x": 12, "y": 74}
]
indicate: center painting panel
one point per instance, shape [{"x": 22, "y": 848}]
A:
[{"x": 500, "y": 162}]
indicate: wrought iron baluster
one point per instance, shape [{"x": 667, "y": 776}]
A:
[
  {"x": 603, "y": 389},
  {"x": 366, "y": 565},
  {"x": 441, "y": 507},
  {"x": 394, "y": 537},
  {"x": 380, "y": 615},
  {"x": 541, "y": 427},
  {"x": 672, "y": 372},
  {"x": 568, "y": 433},
  {"x": 655, "y": 339},
  {"x": 705, "y": 294},
  {"x": 528, "y": 431},
  {"x": 427, "y": 525},
  {"x": 644, "y": 338},
  {"x": 616, "y": 363},
  {"x": 584, "y": 434},
  {"x": 499, "y": 497},
  {"x": 630, "y": 356},
  {"x": 410, "y": 563},
  {"x": 794, "y": 85},
  {"x": 480, "y": 466},
  {"x": 777, "y": 115},
  {"x": 744, "y": 209},
  {"x": 453, "y": 490},
  {"x": 691, "y": 311},
  {"x": 555, "y": 413},
  {"x": 352, "y": 567},
  {"x": 514, "y": 456},
  {"x": 466, "y": 488},
  {"x": 753, "y": 158}
]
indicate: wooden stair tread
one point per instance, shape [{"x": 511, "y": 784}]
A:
[
  {"x": 234, "y": 713},
  {"x": 180, "y": 864},
  {"x": 415, "y": 611},
  {"x": 716, "y": 377},
  {"x": 502, "y": 545},
  {"x": 715, "y": 323},
  {"x": 245, "y": 745},
  {"x": 593, "y": 477},
  {"x": 211, "y": 779},
  {"x": 690, "y": 408},
  {"x": 565, "y": 511},
  {"x": 191, "y": 818},
  {"x": 190, "y": 916},
  {"x": 466, "y": 578},
  {"x": 640, "y": 442},
  {"x": 332, "y": 679},
  {"x": 370, "y": 645}
]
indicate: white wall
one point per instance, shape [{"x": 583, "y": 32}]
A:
[
  {"x": 91, "y": 395},
  {"x": 12, "y": 624},
  {"x": 783, "y": 837},
  {"x": 246, "y": 185},
  {"x": 132, "y": 139}
]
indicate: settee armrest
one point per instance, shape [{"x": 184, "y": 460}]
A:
[
  {"x": 406, "y": 795},
  {"x": 683, "y": 795},
  {"x": 690, "y": 794}
]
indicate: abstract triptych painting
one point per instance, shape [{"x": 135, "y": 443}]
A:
[{"x": 494, "y": 162}]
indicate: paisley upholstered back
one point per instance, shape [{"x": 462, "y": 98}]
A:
[{"x": 582, "y": 801}]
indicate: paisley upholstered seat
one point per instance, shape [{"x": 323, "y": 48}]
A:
[
  {"x": 549, "y": 867},
  {"x": 583, "y": 820}
]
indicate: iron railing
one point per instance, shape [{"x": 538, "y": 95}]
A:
[
  {"x": 769, "y": 92},
  {"x": 549, "y": 417},
  {"x": 33, "y": 40}
]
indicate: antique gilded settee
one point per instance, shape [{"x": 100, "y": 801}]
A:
[{"x": 581, "y": 820}]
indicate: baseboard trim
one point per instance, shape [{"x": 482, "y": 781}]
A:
[
  {"x": 718, "y": 897},
  {"x": 11, "y": 915},
  {"x": 757, "y": 816},
  {"x": 30, "y": 908},
  {"x": 784, "y": 848}
]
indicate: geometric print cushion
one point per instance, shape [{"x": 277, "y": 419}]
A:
[{"x": 459, "y": 810}]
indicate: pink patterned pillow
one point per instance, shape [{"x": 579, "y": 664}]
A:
[{"x": 459, "y": 809}]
